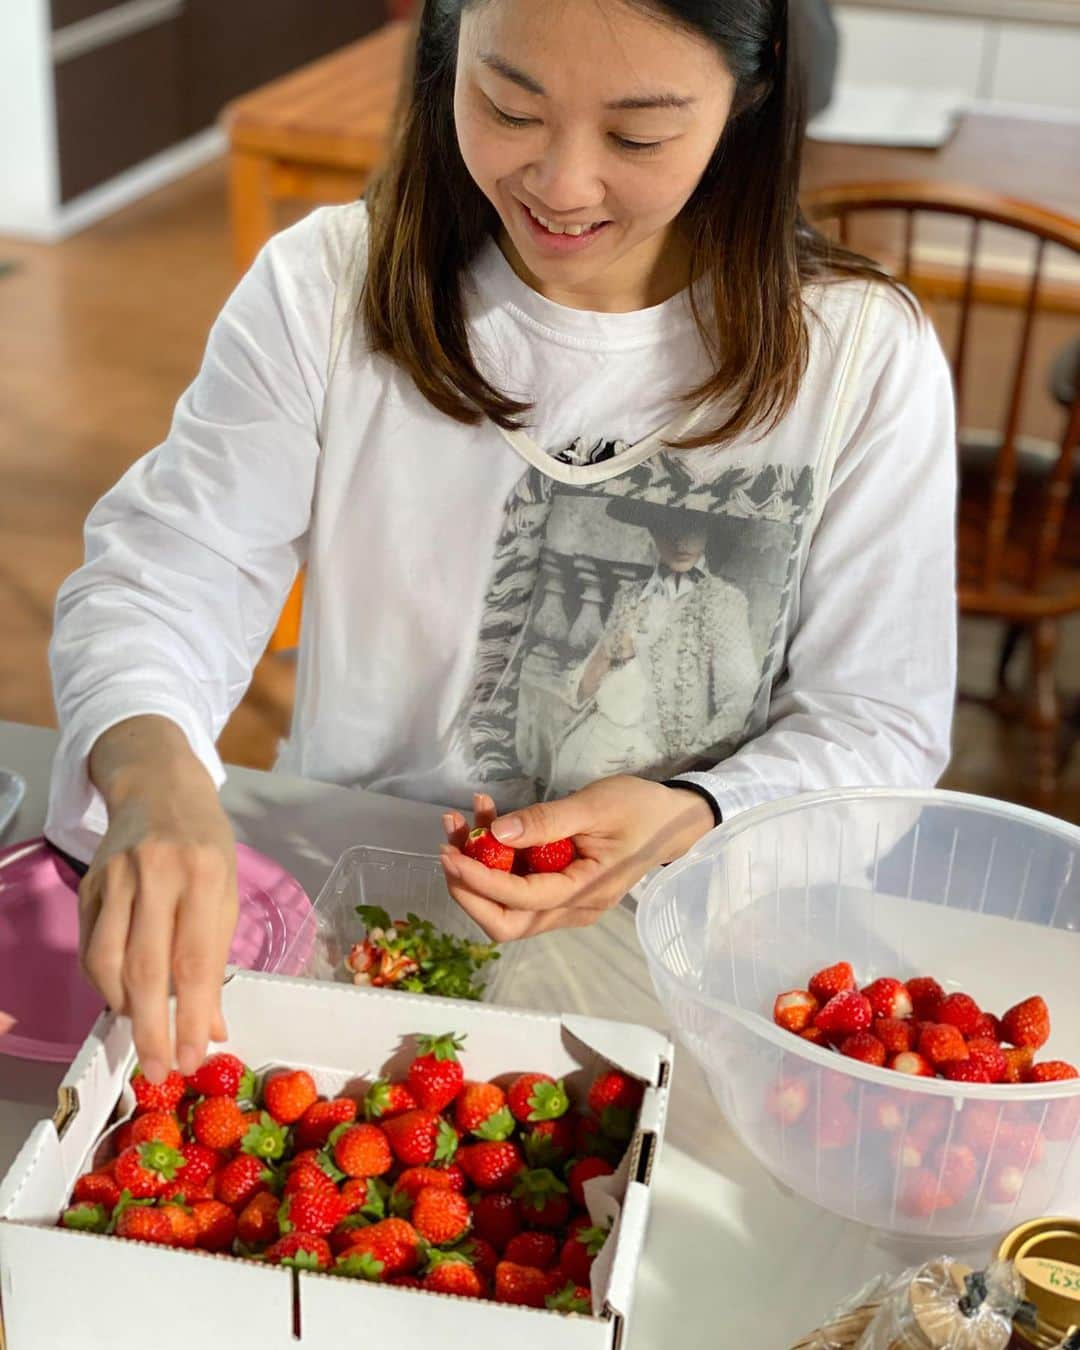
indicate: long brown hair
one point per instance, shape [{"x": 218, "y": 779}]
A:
[{"x": 747, "y": 236}]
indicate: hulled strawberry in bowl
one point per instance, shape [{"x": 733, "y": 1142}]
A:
[{"x": 880, "y": 987}]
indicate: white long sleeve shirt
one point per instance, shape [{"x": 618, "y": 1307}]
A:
[{"x": 459, "y": 579}]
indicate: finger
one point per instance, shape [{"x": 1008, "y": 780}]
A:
[
  {"x": 545, "y": 822},
  {"x": 483, "y": 810},
  {"x": 219, "y": 1031},
  {"x": 147, "y": 964},
  {"x": 218, "y": 1027},
  {"x": 539, "y": 890},
  {"x": 505, "y": 925},
  {"x": 456, "y": 828},
  {"x": 110, "y": 903},
  {"x": 198, "y": 961}
]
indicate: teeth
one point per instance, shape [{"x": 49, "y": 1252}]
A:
[{"x": 554, "y": 228}]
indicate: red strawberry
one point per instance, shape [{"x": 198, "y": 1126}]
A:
[
  {"x": 581, "y": 1172},
  {"x": 223, "y": 1075},
  {"x": 145, "y": 1170},
  {"x": 864, "y": 1047},
  {"x": 988, "y": 1028},
  {"x": 845, "y": 1014},
  {"x": 787, "y": 1100},
  {"x": 185, "y": 1231},
  {"x": 533, "y": 1097},
  {"x": 85, "y": 1217},
  {"x": 1017, "y": 1062},
  {"x": 143, "y": 1224},
  {"x": 215, "y": 1225},
  {"x": 990, "y": 1057},
  {"x": 365, "y": 1196},
  {"x": 306, "y": 1176},
  {"x": 933, "y": 1120},
  {"x": 795, "y": 1010},
  {"x": 942, "y": 1044},
  {"x": 496, "y": 1218},
  {"x": 571, "y": 1298},
  {"x": 579, "y": 1251},
  {"x": 889, "y": 998},
  {"x": 441, "y": 1216},
  {"x": 1021, "y": 1144},
  {"x": 413, "y": 1180},
  {"x": 895, "y": 1034},
  {"x": 543, "y": 1198},
  {"x": 122, "y": 1137},
  {"x": 482, "y": 846},
  {"x": 482, "y": 1254},
  {"x": 554, "y": 857},
  {"x": 814, "y": 1035},
  {"x": 288, "y": 1094},
  {"x": 314, "y": 1126},
  {"x": 1027, "y": 1025},
  {"x": 481, "y": 1109},
  {"x": 965, "y": 1071},
  {"x": 304, "y": 1251},
  {"x": 491, "y": 1166},
  {"x": 436, "y": 1076},
  {"x": 257, "y": 1224},
  {"x": 980, "y": 1126},
  {"x": 523, "y": 1285},
  {"x": 549, "y": 1142},
  {"x": 361, "y": 1150},
  {"x": 833, "y": 980},
  {"x": 958, "y": 1169},
  {"x": 387, "y": 1248},
  {"x": 419, "y": 1138},
  {"x": 1051, "y": 1071},
  {"x": 615, "y": 1090},
  {"x": 164, "y": 1096},
  {"x": 159, "y": 1126},
  {"x": 885, "y": 1113},
  {"x": 1006, "y": 1183},
  {"x": 316, "y": 1212},
  {"x": 590, "y": 1139},
  {"x": 960, "y": 1011},
  {"x": 95, "y": 1188},
  {"x": 385, "y": 1100},
  {"x": 835, "y": 1125},
  {"x": 920, "y": 1195},
  {"x": 218, "y": 1123},
  {"x": 200, "y": 1162},
  {"x": 926, "y": 995},
  {"x": 187, "y": 1192},
  {"x": 240, "y": 1179},
  {"x": 907, "y": 1152},
  {"x": 539, "y": 1250},
  {"x": 912, "y": 1063},
  {"x": 454, "y": 1273}
]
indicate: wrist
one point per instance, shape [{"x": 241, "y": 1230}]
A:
[
  {"x": 139, "y": 752},
  {"x": 693, "y": 815}
]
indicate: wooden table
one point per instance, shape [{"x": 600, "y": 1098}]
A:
[{"x": 317, "y": 134}]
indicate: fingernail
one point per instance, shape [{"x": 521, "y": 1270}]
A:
[
  {"x": 188, "y": 1060},
  {"x": 153, "y": 1070},
  {"x": 448, "y": 824},
  {"x": 505, "y": 831}
]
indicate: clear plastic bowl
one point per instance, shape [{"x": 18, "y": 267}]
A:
[
  {"x": 399, "y": 883},
  {"x": 983, "y": 895}
]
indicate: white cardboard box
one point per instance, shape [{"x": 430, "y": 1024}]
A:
[{"x": 60, "y": 1289}]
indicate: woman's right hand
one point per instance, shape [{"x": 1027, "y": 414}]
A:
[{"x": 158, "y": 904}]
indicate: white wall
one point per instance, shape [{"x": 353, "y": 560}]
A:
[{"x": 29, "y": 189}]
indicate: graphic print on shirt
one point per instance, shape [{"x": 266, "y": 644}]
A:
[{"x": 636, "y": 626}]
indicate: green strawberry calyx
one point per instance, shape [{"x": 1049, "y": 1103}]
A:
[
  {"x": 266, "y": 1139},
  {"x": 441, "y": 1048},
  {"x": 446, "y": 1143},
  {"x": 359, "y": 1266},
  {"x": 160, "y": 1159},
  {"x": 126, "y": 1201},
  {"x": 377, "y": 1099},
  {"x": 548, "y": 1101},
  {"x": 568, "y": 1300},
  {"x": 498, "y": 1126},
  {"x": 302, "y": 1259},
  {"x": 592, "y": 1239},
  {"x": 538, "y": 1186},
  {"x": 617, "y": 1123},
  {"x": 453, "y": 1256},
  {"x": 86, "y": 1217}
]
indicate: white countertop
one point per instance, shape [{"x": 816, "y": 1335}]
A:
[
  {"x": 730, "y": 1261},
  {"x": 1065, "y": 12}
]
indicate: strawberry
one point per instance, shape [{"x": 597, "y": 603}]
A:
[
  {"x": 920, "y": 1195},
  {"x": 787, "y": 1100},
  {"x": 454, "y": 1273},
  {"x": 523, "y": 1285},
  {"x": 1021, "y": 1144},
  {"x": 361, "y": 1150},
  {"x": 942, "y": 1044},
  {"x": 496, "y": 1218},
  {"x": 533, "y": 1097},
  {"x": 145, "y": 1170},
  {"x": 366, "y": 1196},
  {"x": 218, "y": 1123},
  {"x": 257, "y": 1224},
  {"x": 549, "y": 1143},
  {"x": 895, "y": 1034},
  {"x": 864, "y": 1047},
  {"x": 532, "y": 1248},
  {"x": 1027, "y": 1025},
  {"x": 140, "y": 1223},
  {"x": 912, "y": 1063},
  {"x": 1051, "y": 1071},
  {"x": 965, "y": 1071},
  {"x": 306, "y": 1176},
  {"x": 482, "y": 846},
  {"x": 958, "y": 1169},
  {"x": 590, "y": 1139},
  {"x": 86, "y": 1217},
  {"x": 413, "y": 1180},
  {"x": 223, "y": 1075},
  {"x": 160, "y": 1127},
  {"x": 436, "y": 1076},
  {"x": 317, "y": 1212},
  {"x": 571, "y": 1298},
  {"x": 889, "y": 998},
  {"x": 164, "y": 1096},
  {"x": 392, "y": 1245},
  {"x": 95, "y": 1188},
  {"x": 200, "y": 1162},
  {"x": 585, "y": 1169},
  {"x": 419, "y": 1138},
  {"x": 926, "y": 995},
  {"x": 265, "y": 1138},
  {"x": 482, "y": 1254},
  {"x": 835, "y": 1125},
  {"x": 240, "y": 1179},
  {"x": 980, "y": 1126},
  {"x": 288, "y": 1094},
  {"x": 385, "y": 1100},
  {"x": 185, "y": 1231},
  {"x": 988, "y": 1028},
  {"x": 1017, "y": 1062},
  {"x": 845, "y": 1014},
  {"x": 121, "y": 1138},
  {"x": 580, "y": 1250},
  {"x": 795, "y": 1010},
  {"x": 554, "y": 857},
  {"x": 814, "y": 1035},
  {"x": 215, "y": 1225},
  {"x": 314, "y": 1126},
  {"x": 885, "y": 1113},
  {"x": 491, "y": 1166},
  {"x": 932, "y": 1120},
  {"x": 1006, "y": 1183},
  {"x": 441, "y": 1216},
  {"x": 615, "y": 1090},
  {"x": 990, "y": 1057},
  {"x": 303, "y": 1251},
  {"x": 960, "y": 1011},
  {"x": 833, "y": 980},
  {"x": 906, "y": 1152},
  {"x": 187, "y": 1192},
  {"x": 543, "y": 1198},
  {"x": 347, "y": 1231},
  {"x": 481, "y": 1109}
]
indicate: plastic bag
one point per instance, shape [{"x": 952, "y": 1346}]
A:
[
  {"x": 848, "y": 1322},
  {"x": 946, "y": 1306}
]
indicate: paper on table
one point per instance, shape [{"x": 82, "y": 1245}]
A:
[{"x": 888, "y": 114}]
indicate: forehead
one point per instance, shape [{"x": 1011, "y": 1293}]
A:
[{"x": 597, "y": 51}]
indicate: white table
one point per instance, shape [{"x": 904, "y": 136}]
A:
[{"x": 730, "y": 1261}]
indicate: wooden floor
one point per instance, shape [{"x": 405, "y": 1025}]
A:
[{"x": 98, "y": 337}]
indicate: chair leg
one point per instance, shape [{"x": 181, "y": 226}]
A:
[
  {"x": 1010, "y": 642},
  {"x": 1044, "y": 712}
]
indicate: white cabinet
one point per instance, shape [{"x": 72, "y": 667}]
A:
[
  {"x": 916, "y": 50},
  {"x": 1037, "y": 65}
]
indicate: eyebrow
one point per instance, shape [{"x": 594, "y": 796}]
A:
[{"x": 634, "y": 103}]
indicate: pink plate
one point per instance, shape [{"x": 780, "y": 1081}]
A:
[{"x": 41, "y": 984}]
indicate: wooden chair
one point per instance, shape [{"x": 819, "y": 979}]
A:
[{"x": 1018, "y": 504}]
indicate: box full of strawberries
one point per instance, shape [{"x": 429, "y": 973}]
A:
[{"x": 353, "y": 1164}]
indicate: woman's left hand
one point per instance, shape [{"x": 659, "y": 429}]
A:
[{"x": 623, "y": 828}]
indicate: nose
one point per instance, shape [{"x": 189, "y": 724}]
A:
[{"x": 565, "y": 178}]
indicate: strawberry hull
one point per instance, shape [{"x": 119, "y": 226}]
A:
[{"x": 340, "y": 1034}]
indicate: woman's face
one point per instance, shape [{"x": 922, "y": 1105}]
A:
[
  {"x": 680, "y": 551},
  {"x": 587, "y": 124}
]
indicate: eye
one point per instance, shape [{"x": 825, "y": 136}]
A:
[
  {"x": 637, "y": 147},
  {"x": 508, "y": 121}
]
